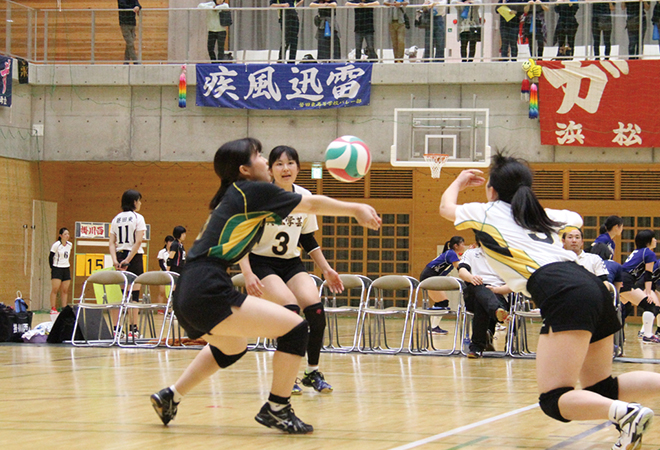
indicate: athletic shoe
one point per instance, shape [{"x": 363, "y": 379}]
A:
[
  {"x": 316, "y": 380},
  {"x": 473, "y": 354},
  {"x": 284, "y": 420},
  {"x": 53, "y": 311},
  {"x": 438, "y": 330},
  {"x": 297, "y": 390},
  {"x": 640, "y": 334},
  {"x": 502, "y": 314},
  {"x": 632, "y": 427},
  {"x": 653, "y": 339},
  {"x": 163, "y": 403}
]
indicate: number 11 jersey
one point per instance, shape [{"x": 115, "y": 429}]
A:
[{"x": 124, "y": 226}]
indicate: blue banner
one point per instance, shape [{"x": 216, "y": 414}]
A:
[
  {"x": 283, "y": 86},
  {"x": 5, "y": 81}
]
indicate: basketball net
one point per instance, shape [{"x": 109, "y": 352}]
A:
[{"x": 437, "y": 160}]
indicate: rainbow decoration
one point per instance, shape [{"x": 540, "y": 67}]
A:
[
  {"x": 182, "y": 87},
  {"x": 534, "y": 101}
]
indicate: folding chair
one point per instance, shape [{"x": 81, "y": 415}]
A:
[
  {"x": 97, "y": 315},
  {"x": 150, "y": 337},
  {"x": 521, "y": 311},
  {"x": 421, "y": 339},
  {"x": 375, "y": 312},
  {"x": 333, "y": 311},
  {"x": 619, "y": 336}
]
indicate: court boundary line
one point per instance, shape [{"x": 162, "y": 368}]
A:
[{"x": 465, "y": 428}]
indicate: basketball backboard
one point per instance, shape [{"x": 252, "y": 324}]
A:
[{"x": 462, "y": 133}]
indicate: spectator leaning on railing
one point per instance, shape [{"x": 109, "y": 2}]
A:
[{"x": 128, "y": 11}]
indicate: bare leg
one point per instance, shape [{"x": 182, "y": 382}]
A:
[
  {"x": 572, "y": 349},
  {"x": 64, "y": 295},
  {"x": 55, "y": 286}
]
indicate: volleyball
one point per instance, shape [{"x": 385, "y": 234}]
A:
[{"x": 347, "y": 159}]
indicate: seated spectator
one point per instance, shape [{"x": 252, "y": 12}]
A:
[
  {"x": 364, "y": 27},
  {"x": 637, "y": 286},
  {"x": 217, "y": 32},
  {"x": 440, "y": 267},
  {"x": 573, "y": 241},
  {"x": 484, "y": 298}
]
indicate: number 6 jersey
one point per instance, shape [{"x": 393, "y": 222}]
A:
[{"x": 281, "y": 241}]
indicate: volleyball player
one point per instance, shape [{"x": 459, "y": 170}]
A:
[
  {"x": 274, "y": 270},
  {"x": 176, "y": 257},
  {"x": 638, "y": 284},
  {"x": 60, "y": 272},
  {"x": 522, "y": 244},
  {"x": 612, "y": 228},
  {"x": 205, "y": 301},
  {"x": 126, "y": 235},
  {"x": 440, "y": 267}
]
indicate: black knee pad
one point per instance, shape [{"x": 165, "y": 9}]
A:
[
  {"x": 609, "y": 387},
  {"x": 295, "y": 341},
  {"x": 294, "y": 308},
  {"x": 549, "y": 403},
  {"x": 135, "y": 296},
  {"x": 315, "y": 315},
  {"x": 225, "y": 360}
]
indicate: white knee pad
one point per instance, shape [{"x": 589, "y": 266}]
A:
[{"x": 647, "y": 323}]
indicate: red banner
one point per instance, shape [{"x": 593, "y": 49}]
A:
[{"x": 600, "y": 103}]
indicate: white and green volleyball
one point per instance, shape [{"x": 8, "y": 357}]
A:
[{"x": 347, "y": 158}]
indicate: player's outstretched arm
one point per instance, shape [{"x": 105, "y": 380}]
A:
[
  {"x": 365, "y": 215},
  {"x": 449, "y": 201}
]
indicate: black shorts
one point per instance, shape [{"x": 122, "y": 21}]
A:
[
  {"x": 572, "y": 298},
  {"x": 428, "y": 272},
  {"x": 630, "y": 282},
  {"x": 60, "y": 273},
  {"x": 204, "y": 296},
  {"x": 262, "y": 266},
  {"x": 136, "y": 265}
]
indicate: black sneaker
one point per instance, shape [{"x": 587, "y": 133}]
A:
[
  {"x": 316, "y": 380},
  {"x": 284, "y": 420},
  {"x": 163, "y": 403}
]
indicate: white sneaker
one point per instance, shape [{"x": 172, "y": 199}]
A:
[{"x": 632, "y": 426}]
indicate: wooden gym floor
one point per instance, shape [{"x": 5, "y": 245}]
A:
[{"x": 58, "y": 396}]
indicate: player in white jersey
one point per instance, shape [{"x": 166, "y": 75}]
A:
[
  {"x": 275, "y": 271},
  {"x": 521, "y": 242},
  {"x": 60, "y": 278},
  {"x": 127, "y": 231}
]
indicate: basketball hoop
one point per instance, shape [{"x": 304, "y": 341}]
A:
[{"x": 437, "y": 160}]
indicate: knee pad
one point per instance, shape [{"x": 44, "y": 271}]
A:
[
  {"x": 609, "y": 387},
  {"x": 225, "y": 360},
  {"x": 549, "y": 403},
  {"x": 135, "y": 296},
  {"x": 315, "y": 315},
  {"x": 295, "y": 341},
  {"x": 294, "y": 308}
]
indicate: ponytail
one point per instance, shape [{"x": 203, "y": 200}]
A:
[
  {"x": 512, "y": 180},
  {"x": 602, "y": 229},
  {"x": 449, "y": 245},
  {"x": 227, "y": 163}
]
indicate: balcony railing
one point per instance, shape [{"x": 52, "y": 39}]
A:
[{"x": 180, "y": 35}]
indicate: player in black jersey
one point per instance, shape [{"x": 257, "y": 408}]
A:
[{"x": 205, "y": 301}]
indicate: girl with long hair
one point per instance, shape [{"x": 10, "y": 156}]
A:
[{"x": 521, "y": 241}]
